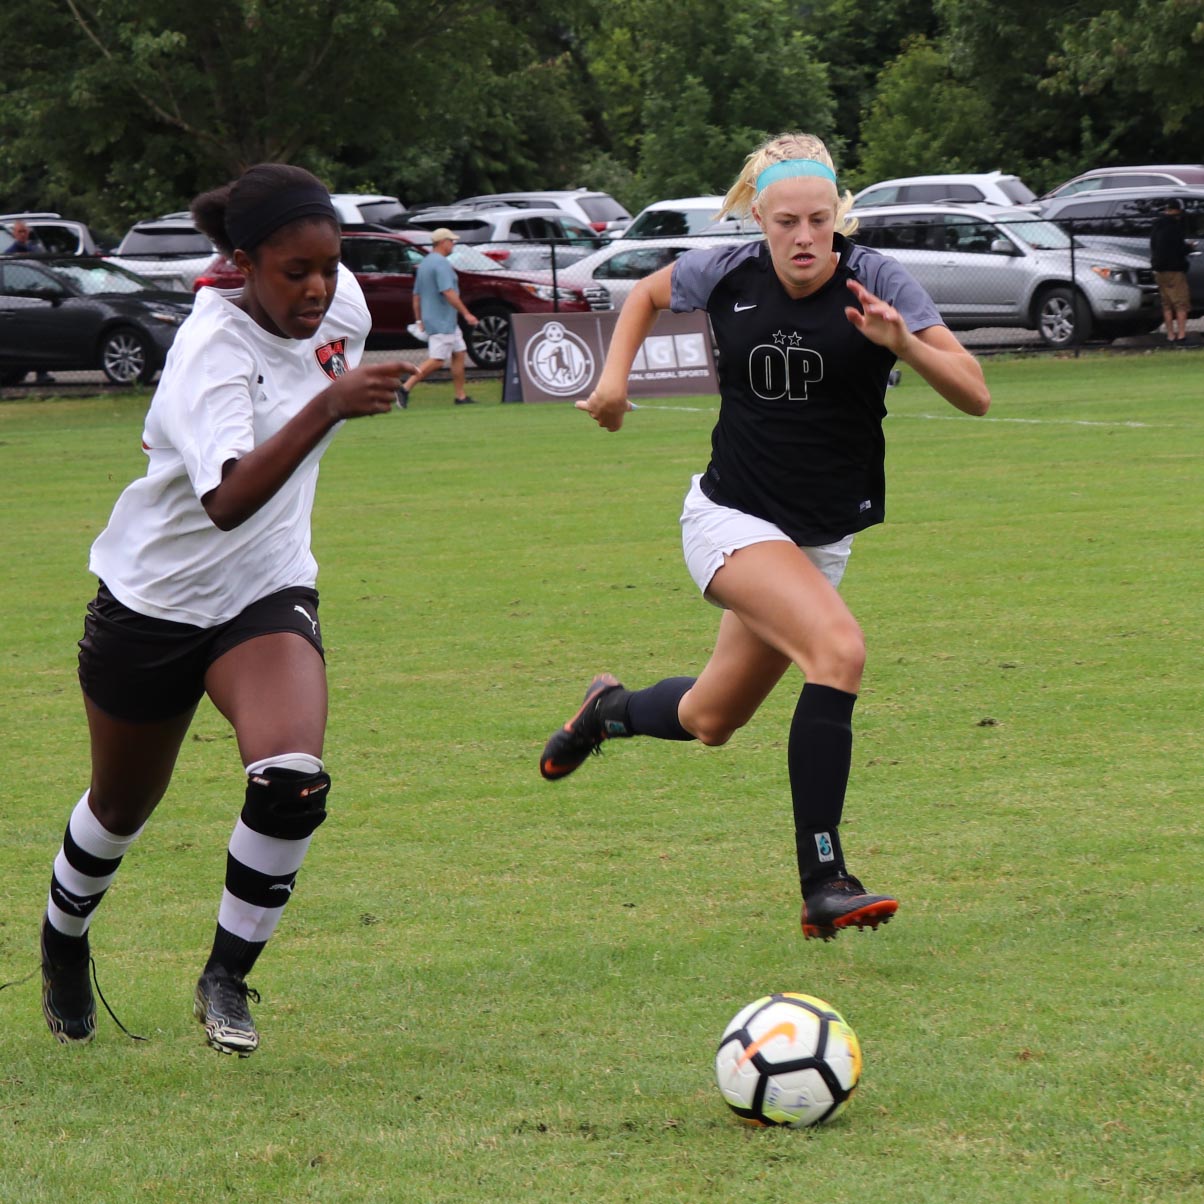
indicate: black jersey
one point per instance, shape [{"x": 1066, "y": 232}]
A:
[{"x": 802, "y": 392}]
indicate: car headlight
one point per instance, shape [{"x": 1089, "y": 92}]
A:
[
  {"x": 1115, "y": 275},
  {"x": 545, "y": 292}
]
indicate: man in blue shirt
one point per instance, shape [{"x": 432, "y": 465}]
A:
[{"x": 437, "y": 310}]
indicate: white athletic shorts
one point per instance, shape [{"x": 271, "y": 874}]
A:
[
  {"x": 442, "y": 346},
  {"x": 710, "y": 532}
]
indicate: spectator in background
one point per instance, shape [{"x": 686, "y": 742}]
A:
[
  {"x": 24, "y": 242},
  {"x": 1169, "y": 248},
  {"x": 437, "y": 309}
]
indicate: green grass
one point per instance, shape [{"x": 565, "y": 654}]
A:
[{"x": 490, "y": 988}]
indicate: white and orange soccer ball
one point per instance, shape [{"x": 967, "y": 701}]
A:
[{"x": 788, "y": 1059}]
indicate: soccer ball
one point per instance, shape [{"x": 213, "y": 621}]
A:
[{"x": 788, "y": 1059}]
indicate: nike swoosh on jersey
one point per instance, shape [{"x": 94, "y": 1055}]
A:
[{"x": 739, "y": 309}]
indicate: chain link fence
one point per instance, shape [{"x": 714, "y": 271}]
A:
[{"x": 1003, "y": 283}]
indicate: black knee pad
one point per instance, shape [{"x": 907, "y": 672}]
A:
[{"x": 285, "y": 803}]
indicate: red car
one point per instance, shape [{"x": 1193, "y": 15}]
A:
[{"x": 384, "y": 263}]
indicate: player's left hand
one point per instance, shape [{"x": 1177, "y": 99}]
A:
[{"x": 879, "y": 322}]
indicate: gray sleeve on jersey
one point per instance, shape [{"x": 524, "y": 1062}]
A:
[
  {"x": 890, "y": 280},
  {"x": 697, "y": 272}
]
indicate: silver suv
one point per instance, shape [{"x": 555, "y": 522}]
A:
[
  {"x": 169, "y": 250},
  {"x": 984, "y": 187},
  {"x": 986, "y": 265}
]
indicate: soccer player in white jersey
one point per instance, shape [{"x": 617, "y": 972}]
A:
[
  {"x": 809, "y": 327},
  {"x": 207, "y": 586}
]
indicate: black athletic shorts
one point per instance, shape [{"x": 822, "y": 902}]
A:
[{"x": 137, "y": 668}]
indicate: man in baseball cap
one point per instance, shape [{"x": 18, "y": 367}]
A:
[
  {"x": 1168, "y": 257},
  {"x": 437, "y": 310}
]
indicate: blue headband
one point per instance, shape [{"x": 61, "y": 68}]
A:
[{"x": 793, "y": 167}]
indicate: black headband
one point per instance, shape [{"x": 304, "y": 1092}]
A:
[{"x": 247, "y": 230}]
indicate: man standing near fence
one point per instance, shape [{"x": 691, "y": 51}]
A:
[
  {"x": 437, "y": 309},
  {"x": 1168, "y": 257}
]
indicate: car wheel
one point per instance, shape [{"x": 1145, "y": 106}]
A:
[
  {"x": 125, "y": 357},
  {"x": 1062, "y": 318},
  {"x": 489, "y": 339}
]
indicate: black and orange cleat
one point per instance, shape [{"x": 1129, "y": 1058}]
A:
[
  {"x": 582, "y": 735},
  {"x": 842, "y": 902}
]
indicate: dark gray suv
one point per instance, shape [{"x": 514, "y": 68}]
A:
[{"x": 1120, "y": 220}]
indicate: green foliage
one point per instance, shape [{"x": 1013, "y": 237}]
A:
[
  {"x": 689, "y": 89},
  {"x": 1149, "y": 52},
  {"x": 112, "y": 110},
  {"x": 923, "y": 120},
  {"x": 492, "y": 988}
]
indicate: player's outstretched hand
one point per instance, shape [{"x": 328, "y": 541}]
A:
[
  {"x": 879, "y": 322},
  {"x": 368, "y": 389},
  {"x": 606, "y": 407}
]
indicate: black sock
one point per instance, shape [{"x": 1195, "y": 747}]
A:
[
  {"x": 819, "y": 756},
  {"x": 648, "y": 712},
  {"x": 61, "y": 949},
  {"x": 232, "y": 953}
]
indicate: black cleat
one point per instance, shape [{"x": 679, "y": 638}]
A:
[
  {"x": 841, "y": 902},
  {"x": 582, "y": 735},
  {"x": 220, "y": 1004},
  {"x": 67, "y": 1001}
]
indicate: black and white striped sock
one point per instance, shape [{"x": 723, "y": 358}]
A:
[
  {"x": 85, "y": 866},
  {"x": 260, "y": 874}
]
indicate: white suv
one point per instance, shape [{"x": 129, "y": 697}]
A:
[
  {"x": 685, "y": 217},
  {"x": 596, "y": 209},
  {"x": 991, "y": 188}
]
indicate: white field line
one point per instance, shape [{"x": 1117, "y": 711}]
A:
[{"x": 943, "y": 417}]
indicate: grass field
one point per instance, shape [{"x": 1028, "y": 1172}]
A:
[{"x": 492, "y": 988}]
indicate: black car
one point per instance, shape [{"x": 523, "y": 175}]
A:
[
  {"x": 1121, "y": 218},
  {"x": 83, "y": 313}
]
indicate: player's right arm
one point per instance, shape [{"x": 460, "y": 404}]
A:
[
  {"x": 608, "y": 403},
  {"x": 251, "y": 480}
]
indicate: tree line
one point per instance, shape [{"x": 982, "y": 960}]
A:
[{"x": 113, "y": 110}]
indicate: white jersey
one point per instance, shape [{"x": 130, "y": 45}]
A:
[{"x": 228, "y": 385}]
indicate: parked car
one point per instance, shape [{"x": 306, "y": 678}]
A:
[
  {"x": 57, "y": 234},
  {"x": 1119, "y": 219},
  {"x": 991, "y": 188},
  {"x": 73, "y": 312},
  {"x": 169, "y": 250},
  {"x": 367, "y": 208},
  {"x": 683, "y": 217},
  {"x": 522, "y": 239},
  {"x": 384, "y": 263},
  {"x": 986, "y": 265},
  {"x": 598, "y": 210},
  {"x": 620, "y": 265},
  {"x": 1153, "y": 175}
]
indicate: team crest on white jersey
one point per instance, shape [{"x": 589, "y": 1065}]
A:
[
  {"x": 559, "y": 361},
  {"x": 784, "y": 368},
  {"x": 332, "y": 358}
]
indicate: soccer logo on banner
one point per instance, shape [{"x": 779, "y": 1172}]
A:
[
  {"x": 559, "y": 357},
  {"x": 559, "y": 361}
]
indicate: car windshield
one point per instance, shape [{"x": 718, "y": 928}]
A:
[
  {"x": 92, "y": 278},
  {"x": 671, "y": 223},
  {"x": 1016, "y": 192},
  {"x": 469, "y": 259},
  {"x": 1044, "y": 236},
  {"x": 165, "y": 242}
]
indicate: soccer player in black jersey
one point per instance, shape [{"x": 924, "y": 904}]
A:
[{"x": 809, "y": 327}]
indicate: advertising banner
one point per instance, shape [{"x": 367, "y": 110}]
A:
[{"x": 559, "y": 357}]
